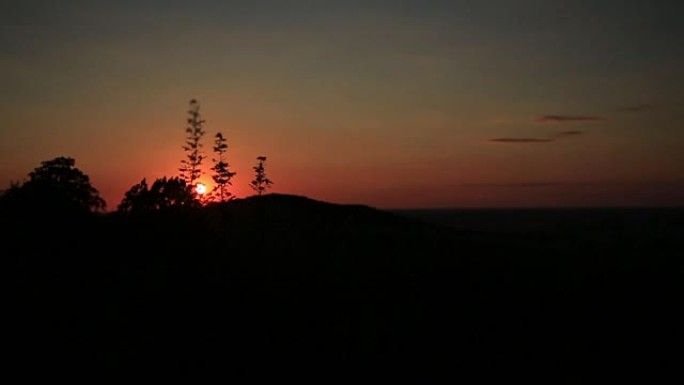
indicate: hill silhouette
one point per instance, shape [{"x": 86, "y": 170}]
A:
[{"x": 280, "y": 286}]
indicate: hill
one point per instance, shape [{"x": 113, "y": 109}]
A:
[{"x": 283, "y": 286}]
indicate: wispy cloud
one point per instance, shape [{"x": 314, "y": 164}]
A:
[
  {"x": 656, "y": 183},
  {"x": 520, "y": 140},
  {"x": 521, "y": 184},
  {"x": 567, "y": 119},
  {"x": 636, "y": 108},
  {"x": 562, "y": 134}
]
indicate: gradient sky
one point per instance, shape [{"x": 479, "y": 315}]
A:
[{"x": 386, "y": 103}]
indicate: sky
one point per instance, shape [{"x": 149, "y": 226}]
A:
[{"x": 393, "y": 104}]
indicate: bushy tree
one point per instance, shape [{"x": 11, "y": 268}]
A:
[
  {"x": 164, "y": 194},
  {"x": 191, "y": 168},
  {"x": 222, "y": 175},
  {"x": 57, "y": 185},
  {"x": 137, "y": 199},
  {"x": 260, "y": 182}
]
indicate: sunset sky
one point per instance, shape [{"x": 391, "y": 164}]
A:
[{"x": 388, "y": 103}]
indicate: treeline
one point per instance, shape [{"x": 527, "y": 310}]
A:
[{"x": 58, "y": 185}]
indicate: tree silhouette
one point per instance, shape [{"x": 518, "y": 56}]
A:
[
  {"x": 260, "y": 182},
  {"x": 137, "y": 199},
  {"x": 222, "y": 174},
  {"x": 164, "y": 194},
  {"x": 191, "y": 167},
  {"x": 11, "y": 192},
  {"x": 57, "y": 185}
]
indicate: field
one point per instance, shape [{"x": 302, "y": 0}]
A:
[{"x": 286, "y": 287}]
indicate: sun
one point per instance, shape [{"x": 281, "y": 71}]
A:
[{"x": 201, "y": 189}]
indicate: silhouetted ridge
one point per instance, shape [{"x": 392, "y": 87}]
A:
[
  {"x": 300, "y": 209},
  {"x": 296, "y": 232},
  {"x": 289, "y": 286},
  {"x": 297, "y": 202}
]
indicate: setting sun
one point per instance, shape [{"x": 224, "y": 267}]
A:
[{"x": 201, "y": 189}]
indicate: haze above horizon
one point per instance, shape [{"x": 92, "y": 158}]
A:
[{"x": 418, "y": 104}]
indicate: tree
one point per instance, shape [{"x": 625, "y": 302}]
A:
[
  {"x": 222, "y": 174},
  {"x": 57, "y": 185},
  {"x": 260, "y": 182},
  {"x": 164, "y": 194},
  {"x": 191, "y": 168},
  {"x": 137, "y": 199},
  {"x": 11, "y": 198}
]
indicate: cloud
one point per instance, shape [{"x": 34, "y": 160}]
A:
[
  {"x": 636, "y": 108},
  {"x": 562, "y": 134},
  {"x": 521, "y": 184},
  {"x": 656, "y": 183},
  {"x": 568, "y": 133},
  {"x": 567, "y": 119},
  {"x": 521, "y": 140}
]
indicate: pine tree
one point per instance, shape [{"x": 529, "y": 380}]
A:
[
  {"x": 222, "y": 174},
  {"x": 191, "y": 168},
  {"x": 260, "y": 182}
]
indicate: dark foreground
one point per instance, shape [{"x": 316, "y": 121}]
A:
[{"x": 284, "y": 288}]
